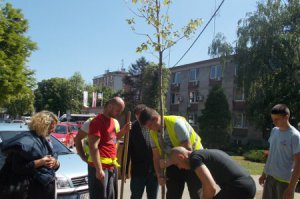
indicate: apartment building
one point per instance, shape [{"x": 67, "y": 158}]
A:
[
  {"x": 189, "y": 87},
  {"x": 113, "y": 80}
]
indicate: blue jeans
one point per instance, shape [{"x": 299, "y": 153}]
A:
[
  {"x": 106, "y": 190},
  {"x": 138, "y": 184}
]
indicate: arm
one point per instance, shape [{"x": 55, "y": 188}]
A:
[
  {"x": 289, "y": 192},
  {"x": 21, "y": 166},
  {"x": 95, "y": 155},
  {"x": 208, "y": 183},
  {"x": 183, "y": 132},
  {"x": 156, "y": 159},
  {"x": 78, "y": 144}
]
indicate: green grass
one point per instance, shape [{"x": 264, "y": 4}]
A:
[{"x": 254, "y": 168}]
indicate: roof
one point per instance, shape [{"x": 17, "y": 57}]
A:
[{"x": 13, "y": 127}]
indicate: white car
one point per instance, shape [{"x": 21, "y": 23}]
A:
[{"x": 71, "y": 177}]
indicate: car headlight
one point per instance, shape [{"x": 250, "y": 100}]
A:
[{"x": 62, "y": 183}]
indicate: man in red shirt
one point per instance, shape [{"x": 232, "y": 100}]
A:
[{"x": 102, "y": 138}]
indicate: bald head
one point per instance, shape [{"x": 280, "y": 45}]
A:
[
  {"x": 179, "y": 156},
  {"x": 114, "y": 107},
  {"x": 115, "y": 101},
  {"x": 179, "y": 150}
]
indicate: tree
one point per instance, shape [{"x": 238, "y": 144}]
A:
[
  {"x": 134, "y": 81},
  {"x": 21, "y": 106},
  {"x": 15, "y": 48},
  {"x": 75, "y": 96},
  {"x": 215, "y": 124},
  {"x": 150, "y": 94},
  {"x": 220, "y": 48},
  {"x": 268, "y": 51},
  {"x": 155, "y": 14},
  {"x": 51, "y": 95}
]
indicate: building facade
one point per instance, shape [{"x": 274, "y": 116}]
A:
[
  {"x": 113, "y": 80},
  {"x": 190, "y": 85}
]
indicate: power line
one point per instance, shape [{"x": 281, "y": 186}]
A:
[{"x": 200, "y": 32}]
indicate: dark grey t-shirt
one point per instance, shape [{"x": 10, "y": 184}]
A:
[{"x": 223, "y": 169}]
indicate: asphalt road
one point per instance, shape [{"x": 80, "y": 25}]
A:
[{"x": 126, "y": 194}]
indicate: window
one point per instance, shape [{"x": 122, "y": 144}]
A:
[
  {"x": 237, "y": 142},
  {"x": 175, "y": 98},
  {"x": 239, "y": 120},
  {"x": 239, "y": 94},
  {"x": 216, "y": 72},
  {"x": 176, "y": 78},
  {"x": 194, "y": 97},
  {"x": 193, "y": 74}
]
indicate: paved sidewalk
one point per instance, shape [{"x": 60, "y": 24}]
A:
[{"x": 185, "y": 195}]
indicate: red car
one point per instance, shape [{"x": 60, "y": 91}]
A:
[{"x": 65, "y": 132}]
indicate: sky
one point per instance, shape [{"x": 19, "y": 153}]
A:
[{"x": 92, "y": 36}]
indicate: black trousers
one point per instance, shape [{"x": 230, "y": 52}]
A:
[
  {"x": 241, "y": 188},
  {"x": 176, "y": 179}
]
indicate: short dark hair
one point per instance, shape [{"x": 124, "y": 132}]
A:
[
  {"x": 146, "y": 115},
  {"x": 139, "y": 108},
  {"x": 280, "y": 109}
]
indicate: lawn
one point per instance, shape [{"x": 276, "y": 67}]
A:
[{"x": 254, "y": 168}]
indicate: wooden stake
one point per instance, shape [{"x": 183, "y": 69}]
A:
[{"x": 124, "y": 159}]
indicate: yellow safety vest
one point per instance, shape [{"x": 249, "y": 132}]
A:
[
  {"x": 103, "y": 160},
  {"x": 169, "y": 121}
]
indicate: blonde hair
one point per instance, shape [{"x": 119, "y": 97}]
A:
[{"x": 41, "y": 121}]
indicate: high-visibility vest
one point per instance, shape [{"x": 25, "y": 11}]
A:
[
  {"x": 103, "y": 160},
  {"x": 169, "y": 122}
]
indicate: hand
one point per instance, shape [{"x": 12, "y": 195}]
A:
[
  {"x": 100, "y": 175},
  {"x": 288, "y": 193},
  {"x": 161, "y": 181},
  {"x": 50, "y": 161},
  {"x": 262, "y": 179},
  {"x": 127, "y": 127}
]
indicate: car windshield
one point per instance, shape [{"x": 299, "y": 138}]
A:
[
  {"x": 58, "y": 147},
  {"x": 61, "y": 129}
]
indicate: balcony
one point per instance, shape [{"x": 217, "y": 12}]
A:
[
  {"x": 193, "y": 85},
  {"x": 192, "y": 107},
  {"x": 175, "y": 87},
  {"x": 238, "y": 105},
  {"x": 217, "y": 81}
]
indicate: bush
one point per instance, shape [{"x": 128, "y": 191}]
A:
[{"x": 255, "y": 155}]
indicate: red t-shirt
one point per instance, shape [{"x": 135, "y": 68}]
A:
[{"x": 104, "y": 128}]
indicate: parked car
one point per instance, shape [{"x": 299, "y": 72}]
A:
[
  {"x": 66, "y": 132},
  {"x": 18, "y": 121},
  {"x": 71, "y": 177},
  {"x": 79, "y": 123},
  {"x": 26, "y": 119}
]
